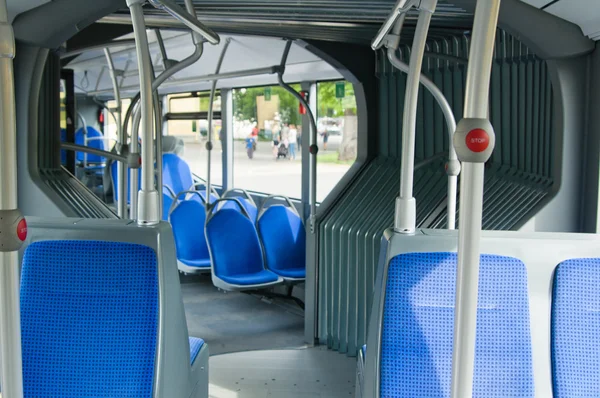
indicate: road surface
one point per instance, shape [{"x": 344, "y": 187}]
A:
[{"x": 263, "y": 173}]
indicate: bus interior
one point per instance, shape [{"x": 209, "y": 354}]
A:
[{"x": 310, "y": 198}]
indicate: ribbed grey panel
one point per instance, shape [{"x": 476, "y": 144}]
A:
[
  {"x": 77, "y": 197},
  {"x": 518, "y": 177},
  {"x": 79, "y": 200}
]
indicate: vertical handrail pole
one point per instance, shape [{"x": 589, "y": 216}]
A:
[
  {"x": 121, "y": 142},
  {"x": 209, "y": 144},
  {"x": 314, "y": 148},
  {"x": 406, "y": 207},
  {"x": 12, "y": 224},
  {"x": 148, "y": 213},
  {"x": 173, "y": 69},
  {"x": 453, "y": 166},
  {"x": 474, "y": 142}
]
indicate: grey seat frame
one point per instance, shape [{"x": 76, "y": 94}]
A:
[
  {"x": 173, "y": 375},
  {"x": 540, "y": 252}
]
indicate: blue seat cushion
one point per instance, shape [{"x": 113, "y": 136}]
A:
[
  {"x": 89, "y": 319},
  {"x": 200, "y": 263},
  {"x": 196, "y": 345},
  {"x": 176, "y": 173},
  {"x": 187, "y": 221},
  {"x": 257, "y": 278},
  {"x": 235, "y": 249},
  {"x": 284, "y": 239},
  {"x": 576, "y": 328},
  {"x": 418, "y": 325},
  {"x": 295, "y": 273}
]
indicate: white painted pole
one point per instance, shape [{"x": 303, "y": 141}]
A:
[
  {"x": 406, "y": 207},
  {"x": 474, "y": 142},
  {"x": 453, "y": 163},
  {"x": 148, "y": 201},
  {"x": 10, "y": 313}
]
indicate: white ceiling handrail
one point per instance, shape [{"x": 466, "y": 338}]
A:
[{"x": 187, "y": 19}]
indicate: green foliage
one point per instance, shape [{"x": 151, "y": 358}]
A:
[
  {"x": 244, "y": 102},
  {"x": 331, "y": 106}
]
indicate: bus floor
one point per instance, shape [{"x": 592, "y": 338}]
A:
[
  {"x": 235, "y": 322},
  {"x": 302, "y": 373}
]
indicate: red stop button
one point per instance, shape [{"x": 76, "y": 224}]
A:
[
  {"x": 22, "y": 230},
  {"x": 478, "y": 140}
]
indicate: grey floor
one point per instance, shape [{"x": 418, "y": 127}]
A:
[
  {"x": 235, "y": 322},
  {"x": 303, "y": 373}
]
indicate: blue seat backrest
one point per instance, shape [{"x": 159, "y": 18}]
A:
[
  {"x": 97, "y": 144},
  {"x": 418, "y": 323},
  {"x": 234, "y": 244},
  {"x": 167, "y": 203},
  {"x": 250, "y": 208},
  {"x": 176, "y": 173},
  {"x": 63, "y": 153},
  {"x": 576, "y": 329},
  {"x": 284, "y": 238},
  {"x": 89, "y": 322},
  {"x": 188, "y": 220}
]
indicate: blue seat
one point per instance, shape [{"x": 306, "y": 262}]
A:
[
  {"x": 418, "y": 321},
  {"x": 91, "y": 312},
  {"x": 576, "y": 328},
  {"x": 196, "y": 345},
  {"x": 236, "y": 253},
  {"x": 63, "y": 153},
  {"x": 251, "y": 209},
  {"x": 176, "y": 173},
  {"x": 283, "y": 237},
  {"x": 94, "y": 140},
  {"x": 167, "y": 203},
  {"x": 187, "y": 221}
]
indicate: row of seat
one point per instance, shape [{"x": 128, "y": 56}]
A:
[
  {"x": 270, "y": 246},
  {"x": 272, "y": 242},
  {"x": 537, "y": 319}
]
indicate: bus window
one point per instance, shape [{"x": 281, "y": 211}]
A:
[{"x": 337, "y": 125}]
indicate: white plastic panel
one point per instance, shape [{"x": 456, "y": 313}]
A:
[{"x": 245, "y": 52}]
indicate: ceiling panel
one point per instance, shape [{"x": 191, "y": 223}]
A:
[
  {"x": 355, "y": 21},
  {"x": 584, "y": 13},
  {"x": 244, "y": 53},
  {"x": 15, "y": 7}
]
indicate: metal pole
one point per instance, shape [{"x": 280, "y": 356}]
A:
[
  {"x": 269, "y": 70},
  {"x": 187, "y": 19},
  {"x": 406, "y": 207},
  {"x": 93, "y": 151},
  {"x": 474, "y": 141},
  {"x": 148, "y": 196},
  {"x": 209, "y": 145},
  {"x": 453, "y": 169},
  {"x": 314, "y": 149},
  {"x": 121, "y": 167},
  {"x": 115, "y": 43},
  {"x": 192, "y": 59},
  {"x": 10, "y": 313}
]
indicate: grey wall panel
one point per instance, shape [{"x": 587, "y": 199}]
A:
[{"x": 519, "y": 177}]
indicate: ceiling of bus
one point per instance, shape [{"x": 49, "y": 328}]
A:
[
  {"x": 585, "y": 13},
  {"x": 244, "y": 52},
  {"x": 355, "y": 21},
  {"x": 15, "y": 7}
]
